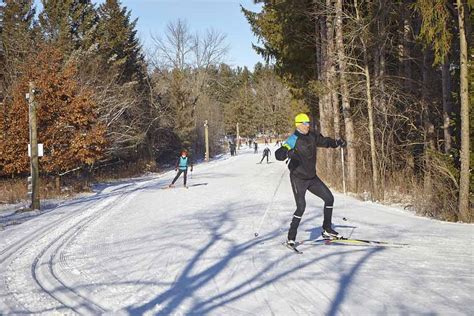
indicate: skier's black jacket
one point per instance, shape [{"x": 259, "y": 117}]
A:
[{"x": 301, "y": 149}]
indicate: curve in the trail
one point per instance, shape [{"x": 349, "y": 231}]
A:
[{"x": 49, "y": 273}]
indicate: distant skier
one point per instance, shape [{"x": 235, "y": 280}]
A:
[
  {"x": 266, "y": 153},
  {"x": 255, "y": 147},
  {"x": 233, "y": 149},
  {"x": 182, "y": 164},
  {"x": 300, "y": 148}
]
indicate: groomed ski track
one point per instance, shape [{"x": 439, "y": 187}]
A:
[{"x": 133, "y": 249}]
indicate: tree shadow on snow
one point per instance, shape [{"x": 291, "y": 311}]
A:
[{"x": 193, "y": 277}]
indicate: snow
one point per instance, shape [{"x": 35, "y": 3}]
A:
[{"x": 132, "y": 248}]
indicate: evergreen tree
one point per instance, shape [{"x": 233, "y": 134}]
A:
[
  {"x": 69, "y": 23},
  {"x": 16, "y": 36},
  {"x": 285, "y": 28},
  {"x": 118, "y": 43}
]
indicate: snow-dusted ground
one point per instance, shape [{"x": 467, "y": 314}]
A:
[{"x": 133, "y": 248}]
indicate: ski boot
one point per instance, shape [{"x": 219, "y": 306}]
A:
[
  {"x": 291, "y": 244},
  {"x": 329, "y": 233}
]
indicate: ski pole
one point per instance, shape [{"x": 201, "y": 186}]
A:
[
  {"x": 343, "y": 173},
  {"x": 269, "y": 205}
]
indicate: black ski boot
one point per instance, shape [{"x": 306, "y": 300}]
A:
[
  {"x": 329, "y": 233},
  {"x": 291, "y": 244}
]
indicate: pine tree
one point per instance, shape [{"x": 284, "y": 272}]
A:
[
  {"x": 16, "y": 36},
  {"x": 118, "y": 43},
  {"x": 69, "y": 23},
  {"x": 285, "y": 28}
]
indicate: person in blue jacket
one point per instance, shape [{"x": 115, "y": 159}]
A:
[
  {"x": 300, "y": 148},
  {"x": 182, "y": 164}
]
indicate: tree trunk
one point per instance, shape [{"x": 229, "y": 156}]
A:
[
  {"x": 333, "y": 106},
  {"x": 404, "y": 47},
  {"x": 428, "y": 126},
  {"x": 370, "y": 110},
  {"x": 465, "y": 214},
  {"x": 349, "y": 125},
  {"x": 325, "y": 98},
  {"x": 446, "y": 78},
  {"x": 329, "y": 79},
  {"x": 386, "y": 139}
]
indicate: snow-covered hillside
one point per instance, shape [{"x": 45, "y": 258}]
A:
[{"x": 134, "y": 248}]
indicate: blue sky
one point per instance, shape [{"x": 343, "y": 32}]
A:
[{"x": 222, "y": 15}]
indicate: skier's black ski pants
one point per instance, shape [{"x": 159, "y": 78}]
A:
[
  {"x": 318, "y": 188},
  {"x": 264, "y": 158},
  {"x": 179, "y": 173}
]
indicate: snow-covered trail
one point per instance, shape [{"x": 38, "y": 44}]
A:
[{"x": 134, "y": 248}]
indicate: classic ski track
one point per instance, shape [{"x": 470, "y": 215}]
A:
[
  {"x": 14, "y": 248},
  {"x": 48, "y": 279},
  {"x": 119, "y": 278},
  {"x": 41, "y": 277},
  {"x": 80, "y": 297},
  {"x": 19, "y": 249}
]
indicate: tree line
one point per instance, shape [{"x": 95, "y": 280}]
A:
[
  {"x": 104, "y": 101},
  {"x": 392, "y": 78}
]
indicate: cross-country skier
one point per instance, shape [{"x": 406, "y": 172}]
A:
[
  {"x": 255, "y": 147},
  {"x": 300, "y": 148},
  {"x": 182, "y": 164},
  {"x": 266, "y": 153}
]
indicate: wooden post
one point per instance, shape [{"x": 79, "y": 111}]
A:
[
  {"x": 34, "y": 163},
  {"x": 206, "y": 136},
  {"x": 238, "y": 137}
]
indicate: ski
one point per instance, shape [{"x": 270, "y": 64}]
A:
[
  {"x": 174, "y": 187},
  {"x": 292, "y": 248},
  {"x": 355, "y": 242},
  {"x": 376, "y": 242}
]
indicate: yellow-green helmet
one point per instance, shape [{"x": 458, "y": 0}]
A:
[{"x": 301, "y": 118}]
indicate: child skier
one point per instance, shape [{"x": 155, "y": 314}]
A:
[{"x": 182, "y": 167}]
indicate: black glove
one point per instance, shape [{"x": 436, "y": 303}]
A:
[
  {"x": 281, "y": 153},
  {"x": 341, "y": 142},
  {"x": 293, "y": 155}
]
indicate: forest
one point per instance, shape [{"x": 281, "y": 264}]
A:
[{"x": 393, "y": 78}]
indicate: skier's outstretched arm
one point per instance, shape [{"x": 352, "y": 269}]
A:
[{"x": 322, "y": 141}]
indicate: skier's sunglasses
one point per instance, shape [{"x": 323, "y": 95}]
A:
[{"x": 305, "y": 123}]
